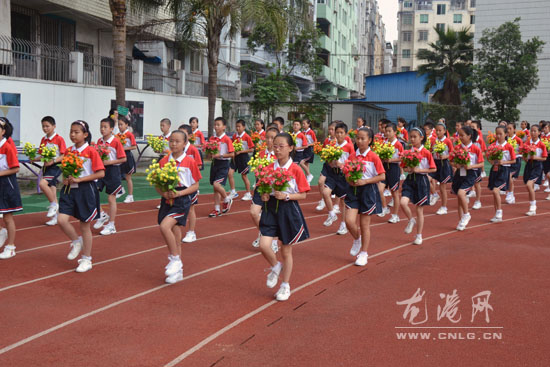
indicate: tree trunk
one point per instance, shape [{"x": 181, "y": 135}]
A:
[
  {"x": 212, "y": 58},
  {"x": 118, "y": 9}
]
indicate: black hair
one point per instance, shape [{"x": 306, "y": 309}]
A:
[
  {"x": 402, "y": 120},
  {"x": 261, "y": 122},
  {"x": 543, "y": 124},
  {"x": 470, "y": 132},
  {"x": 537, "y": 126},
  {"x": 124, "y": 119},
  {"x": 289, "y": 141},
  {"x": 422, "y": 134},
  {"x": 296, "y": 121},
  {"x": 392, "y": 125},
  {"x": 362, "y": 119},
  {"x": 240, "y": 122},
  {"x": 280, "y": 119},
  {"x": 85, "y": 128},
  {"x": 273, "y": 125},
  {"x": 335, "y": 122},
  {"x": 369, "y": 133},
  {"x": 7, "y": 126},
  {"x": 384, "y": 121},
  {"x": 429, "y": 124},
  {"x": 307, "y": 120},
  {"x": 513, "y": 124},
  {"x": 112, "y": 111},
  {"x": 500, "y": 127},
  {"x": 109, "y": 121},
  {"x": 193, "y": 118},
  {"x": 478, "y": 123},
  {"x": 166, "y": 121},
  {"x": 224, "y": 122},
  {"x": 341, "y": 125},
  {"x": 48, "y": 119},
  {"x": 182, "y": 133},
  {"x": 272, "y": 128},
  {"x": 528, "y": 124},
  {"x": 441, "y": 124},
  {"x": 187, "y": 128}
]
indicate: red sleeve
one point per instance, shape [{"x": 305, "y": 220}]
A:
[
  {"x": 195, "y": 172},
  {"x": 512, "y": 151},
  {"x": 479, "y": 155},
  {"x": 483, "y": 146},
  {"x": 196, "y": 155},
  {"x": 399, "y": 147},
  {"x": 300, "y": 177},
  {"x": 229, "y": 143},
  {"x": 351, "y": 151},
  {"x": 234, "y": 137},
  {"x": 11, "y": 156},
  {"x": 326, "y": 142},
  {"x": 164, "y": 160},
  {"x": 430, "y": 158},
  {"x": 405, "y": 135},
  {"x": 544, "y": 151},
  {"x": 262, "y": 135},
  {"x": 449, "y": 144},
  {"x": 377, "y": 163},
  {"x": 249, "y": 141},
  {"x": 432, "y": 142},
  {"x": 312, "y": 133},
  {"x": 348, "y": 139},
  {"x": 201, "y": 137},
  {"x": 97, "y": 163},
  {"x": 120, "y": 153}
]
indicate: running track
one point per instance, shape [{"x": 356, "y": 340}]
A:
[{"x": 122, "y": 314}]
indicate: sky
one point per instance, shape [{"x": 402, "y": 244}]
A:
[{"x": 388, "y": 9}]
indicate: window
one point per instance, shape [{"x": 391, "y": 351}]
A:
[
  {"x": 422, "y": 50},
  {"x": 441, "y": 9},
  {"x": 405, "y": 68},
  {"x": 422, "y": 35},
  {"x": 457, "y": 18},
  {"x": 472, "y": 19},
  {"x": 406, "y": 54},
  {"x": 407, "y": 19},
  {"x": 195, "y": 60},
  {"x": 88, "y": 51},
  {"x": 423, "y": 18},
  {"x": 408, "y": 4},
  {"x": 440, "y": 26},
  {"x": 472, "y": 3},
  {"x": 407, "y": 36}
]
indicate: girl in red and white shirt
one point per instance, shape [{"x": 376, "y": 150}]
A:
[
  {"x": 128, "y": 168},
  {"x": 534, "y": 168},
  {"x": 309, "y": 156},
  {"x": 240, "y": 162},
  {"x": 499, "y": 177}
]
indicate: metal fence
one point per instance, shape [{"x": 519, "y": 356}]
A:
[
  {"x": 196, "y": 85},
  {"x": 26, "y": 59},
  {"x": 99, "y": 70},
  {"x": 159, "y": 79}
]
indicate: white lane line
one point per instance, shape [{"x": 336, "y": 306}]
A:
[{"x": 303, "y": 286}]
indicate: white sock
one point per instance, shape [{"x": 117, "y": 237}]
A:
[
  {"x": 444, "y": 207},
  {"x": 419, "y": 236},
  {"x": 227, "y": 199},
  {"x": 84, "y": 257},
  {"x": 465, "y": 215},
  {"x": 499, "y": 213},
  {"x": 364, "y": 253},
  {"x": 285, "y": 284},
  {"x": 277, "y": 267},
  {"x": 533, "y": 203},
  {"x": 112, "y": 223},
  {"x": 53, "y": 203},
  {"x": 332, "y": 213},
  {"x": 233, "y": 191},
  {"x": 217, "y": 207},
  {"x": 191, "y": 232}
]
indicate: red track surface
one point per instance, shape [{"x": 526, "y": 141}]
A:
[{"x": 122, "y": 314}]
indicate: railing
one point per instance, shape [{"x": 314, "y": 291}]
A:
[
  {"x": 26, "y": 59},
  {"x": 159, "y": 79},
  {"x": 196, "y": 85},
  {"x": 99, "y": 70}
]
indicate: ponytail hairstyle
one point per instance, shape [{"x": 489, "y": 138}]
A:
[
  {"x": 124, "y": 119},
  {"x": 289, "y": 141},
  {"x": 441, "y": 124},
  {"x": 6, "y": 126},
  {"x": 261, "y": 122},
  {"x": 85, "y": 129},
  {"x": 472, "y": 133},
  {"x": 307, "y": 121},
  {"x": 422, "y": 133},
  {"x": 369, "y": 132}
]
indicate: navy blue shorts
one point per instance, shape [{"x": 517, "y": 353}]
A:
[
  {"x": 51, "y": 174},
  {"x": 81, "y": 202},
  {"x": 444, "y": 171},
  {"x": 10, "y": 197},
  {"x": 336, "y": 182},
  {"x": 202, "y": 158},
  {"x": 416, "y": 187},
  {"x": 111, "y": 181},
  {"x": 499, "y": 178},
  {"x": 393, "y": 176},
  {"x": 516, "y": 168},
  {"x": 364, "y": 198},
  {"x": 256, "y": 198},
  {"x": 218, "y": 171},
  {"x": 478, "y": 175},
  {"x": 298, "y": 156},
  {"x": 128, "y": 167},
  {"x": 240, "y": 163},
  {"x": 285, "y": 221},
  {"x": 194, "y": 197},
  {"x": 309, "y": 156},
  {"x": 178, "y": 210},
  {"x": 533, "y": 172},
  {"x": 463, "y": 182},
  {"x": 546, "y": 165},
  {"x": 325, "y": 169}
]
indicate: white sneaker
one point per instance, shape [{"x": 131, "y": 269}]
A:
[
  {"x": 385, "y": 211},
  {"x": 547, "y": 189},
  {"x": 402, "y": 177},
  {"x": 467, "y": 218},
  {"x": 273, "y": 275},
  {"x": 247, "y": 197},
  {"x": 362, "y": 259},
  {"x": 9, "y": 251},
  {"x": 418, "y": 240},
  {"x": 471, "y": 194},
  {"x": 496, "y": 218},
  {"x": 394, "y": 219},
  {"x": 173, "y": 267},
  {"x": 390, "y": 204},
  {"x": 537, "y": 187},
  {"x": 158, "y": 206},
  {"x": 321, "y": 205},
  {"x": 477, "y": 205},
  {"x": 356, "y": 247},
  {"x": 548, "y": 197},
  {"x": 83, "y": 265},
  {"x": 103, "y": 218},
  {"x": 309, "y": 178},
  {"x": 331, "y": 219},
  {"x": 177, "y": 277},
  {"x": 483, "y": 174},
  {"x": 3, "y": 236},
  {"x": 441, "y": 211},
  {"x": 53, "y": 221},
  {"x": 189, "y": 237},
  {"x": 545, "y": 184},
  {"x": 463, "y": 222},
  {"x": 283, "y": 293},
  {"x": 336, "y": 208},
  {"x": 333, "y": 196},
  {"x": 52, "y": 210},
  {"x": 120, "y": 193},
  {"x": 256, "y": 242},
  {"x": 109, "y": 229},
  {"x": 387, "y": 193},
  {"x": 410, "y": 226},
  {"x": 433, "y": 199},
  {"x": 510, "y": 200},
  {"x": 129, "y": 199},
  {"x": 233, "y": 195},
  {"x": 343, "y": 229},
  {"x": 275, "y": 246},
  {"x": 76, "y": 247},
  {"x": 532, "y": 211}
]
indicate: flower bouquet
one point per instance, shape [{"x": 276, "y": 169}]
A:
[
  {"x": 521, "y": 134},
  {"x": 546, "y": 142},
  {"x": 384, "y": 151},
  {"x": 211, "y": 147},
  {"x": 47, "y": 154},
  {"x": 428, "y": 144},
  {"x": 527, "y": 151},
  {"x": 439, "y": 147},
  {"x": 264, "y": 181},
  {"x": 256, "y": 137},
  {"x": 460, "y": 156},
  {"x": 281, "y": 181},
  {"x": 317, "y": 147},
  {"x": 71, "y": 165},
  {"x": 353, "y": 171},
  {"x": 491, "y": 138},
  {"x": 331, "y": 153},
  {"x": 157, "y": 143},
  {"x": 258, "y": 163},
  {"x": 122, "y": 138},
  {"x": 352, "y": 133},
  {"x": 103, "y": 150},
  {"x": 163, "y": 178},
  {"x": 495, "y": 153},
  {"x": 237, "y": 145},
  {"x": 410, "y": 159},
  {"x": 30, "y": 150},
  {"x": 192, "y": 138},
  {"x": 513, "y": 143}
]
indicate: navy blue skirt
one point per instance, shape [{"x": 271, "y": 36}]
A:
[
  {"x": 128, "y": 167},
  {"x": 463, "y": 182},
  {"x": 81, "y": 202},
  {"x": 336, "y": 181},
  {"x": 533, "y": 172},
  {"x": 179, "y": 208},
  {"x": 364, "y": 198},
  {"x": 444, "y": 171},
  {"x": 283, "y": 219},
  {"x": 10, "y": 197},
  {"x": 499, "y": 178},
  {"x": 111, "y": 181},
  {"x": 393, "y": 176},
  {"x": 416, "y": 187}
]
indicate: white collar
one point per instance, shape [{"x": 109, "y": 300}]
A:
[
  {"x": 261, "y": 131},
  {"x": 467, "y": 146},
  {"x": 513, "y": 137},
  {"x": 167, "y": 135},
  {"x": 343, "y": 144},
  {"x": 241, "y": 136},
  {"x": 194, "y": 131},
  {"x": 534, "y": 142},
  {"x": 363, "y": 154},
  {"x": 109, "y": 140},
  {"x": 503, "y": 144},
  {"x": 79, "y": 150},
  {"x": 179, "y": 159},
  {"x": 125, "y": 131},
  {"x": 2, "y": 142},
  {"x": 442, "y": 140},
  {"x": 307, "y": 129},
  {"x": 393, "y": 142},
  {"x": 286, "y": 166},
  {"x": 418, "y": 149},
  {"x": 186, "y": 146},
  {"x": 221, "y": 136},
  {"x": 268, "y": 153},
  {"x": 53, "y": 136}
]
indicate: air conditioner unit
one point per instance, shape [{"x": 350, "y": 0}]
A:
[{"x": 174, "y": 65}]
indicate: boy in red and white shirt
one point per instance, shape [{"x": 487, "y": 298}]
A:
[
  {"x": 220, "y": 167},
  {"x": 309, "y": 156}
]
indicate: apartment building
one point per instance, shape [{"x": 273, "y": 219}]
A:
[{"x": 417, "y": 20}]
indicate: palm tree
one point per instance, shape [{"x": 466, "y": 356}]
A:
[
  {"x": 448, "y": 61},
  {"x": 118, "y": 10}
]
